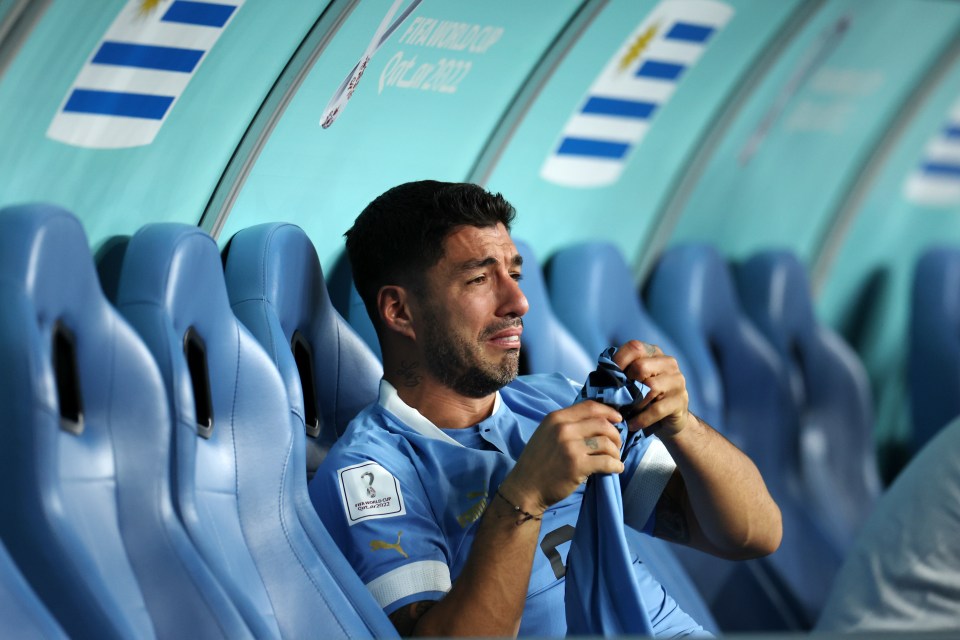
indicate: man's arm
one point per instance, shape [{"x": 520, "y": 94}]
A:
[
  {"x": 488, "y": 597},
  {"x": 716, "y": 500}
]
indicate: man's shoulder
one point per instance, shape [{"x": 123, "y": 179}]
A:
[{"x": 369, "y": 436}]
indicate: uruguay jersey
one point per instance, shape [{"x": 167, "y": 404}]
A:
[{"x": 403, "y": 499}]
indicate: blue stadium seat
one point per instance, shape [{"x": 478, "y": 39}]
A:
[
  {"x": 594, "y": 295},
  {"x": 348, "y": 303},
  {"x": 933, "y": 369},
  {"x": 829, "y": 385},
  {"x": 88, "y": 514},
  {"x": 276, "y": 288},
  {"x": 22, "y": 614},
  {"x": 548, "y": 346},
  {"x": 691, "y": 294},
  {"x": 236, "y": 458}
]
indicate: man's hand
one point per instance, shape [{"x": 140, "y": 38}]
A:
[
  {"x": 664, "y": 409},
  {"x": 718, "y": 499},
  {"x": 567, "y": 447}
]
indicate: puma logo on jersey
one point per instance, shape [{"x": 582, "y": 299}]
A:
[
  {"x": 473, "y": 514},
  {"x": 380, "y": 544}
]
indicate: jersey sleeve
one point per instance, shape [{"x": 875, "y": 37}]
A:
[
  {"x": 647, "y": 469},
  {"x": 377, "y": 511}
]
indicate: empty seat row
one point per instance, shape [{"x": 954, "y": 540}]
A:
[{"x": 158, "y": 462}]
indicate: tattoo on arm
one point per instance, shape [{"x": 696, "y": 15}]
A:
[
  {"x": 671, "y": 523},
  {"x": 408, "y": 371},
  {"x": 405, "y": 618}
]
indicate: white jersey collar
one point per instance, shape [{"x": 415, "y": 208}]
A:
[{"x": 390, "y": 401}]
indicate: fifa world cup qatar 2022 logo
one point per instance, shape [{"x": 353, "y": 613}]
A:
[{"x": 368, "y": 476}]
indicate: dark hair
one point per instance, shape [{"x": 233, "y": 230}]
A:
[{"x": 400, "y": 235}]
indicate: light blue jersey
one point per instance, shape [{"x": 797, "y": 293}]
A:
[{"x": 403, "y": 499}]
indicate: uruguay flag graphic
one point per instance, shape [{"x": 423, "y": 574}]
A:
[
  {"x": 137, "y": 71},
  {"x": 936, "y": 182},
  {"x": 634, "y": 86}
]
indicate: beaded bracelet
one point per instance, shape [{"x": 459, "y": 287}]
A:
[{"x": 526, "y": 514}]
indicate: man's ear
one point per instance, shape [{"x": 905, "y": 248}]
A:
[{"x": 393, "y": 304}]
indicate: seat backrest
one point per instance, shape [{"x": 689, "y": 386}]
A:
[
  {"x": 933, "y": 369},
  {"x": 22, "y": 614},
  {"x": 594, "y": 295},
  {"x": 691, "y": 294},
  {"x": 89, "y": 515},
  {"x": 237, "y": 460},
  {"x": 829, "y": 386},
  {"x": 346, "y": 300},
  {"x": 276, "y": 288},
  {"x": 548, "y": 346}
]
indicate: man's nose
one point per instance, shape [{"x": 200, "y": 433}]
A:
[{"x": 513, "y": 302}]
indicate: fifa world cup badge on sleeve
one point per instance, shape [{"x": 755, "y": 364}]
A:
[{"x": 369, "y": 491}]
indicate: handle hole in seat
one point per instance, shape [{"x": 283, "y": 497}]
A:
[
  {"x": 65, "y": 371},
  {"x": 303, "y": 355},
  {"x": 196, "y": 352}
]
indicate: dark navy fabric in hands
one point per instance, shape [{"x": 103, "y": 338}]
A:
[
  {"x": 603, "y": 596},
  {"x": 610, "y": 386}
]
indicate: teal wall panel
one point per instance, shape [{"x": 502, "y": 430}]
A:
[
  {"x": 402, "y": 123},
  {"x": 866, "y": 291},
  {"x": 5, "y": 7},
  {"x": 800, "y": 141},
  {"x": 115, "y": 191},
  {"x": 552, "y": 215}
]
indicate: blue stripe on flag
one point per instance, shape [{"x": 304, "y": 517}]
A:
[
  {"x": 596, "y": 148},
  {"x": 952, "y": 131},
  {"x": 942, "y": 169},
  {"x": 616, "y": 107},
  {"x": 112, "y": 103},
  {"x": 148, "y": 56},
  {"x": 690, "y": 32},
  {"x": 660, "y": 70},
  {"x": 204, "y": 14}
]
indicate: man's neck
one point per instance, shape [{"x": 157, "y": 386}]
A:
[{"x": 441, "y": 405}]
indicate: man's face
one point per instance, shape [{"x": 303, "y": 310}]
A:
[{"x": 470, "y": 317}]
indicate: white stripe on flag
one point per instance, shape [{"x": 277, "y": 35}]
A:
[
  {"x": 943, "y": 150},
  {"x": 633, "y": 88},
  {"x": 935, "y": 181},
  {"x": 606, "y": 128},
  {"x": 686, "y": 53},
  {"x": 932, "y": 191},
  {"x": 102, "y": 132},
  {"x": 583, "y": 172},
  {"x": 131, "y": 80},
  {"x": 131, "y": 26}
]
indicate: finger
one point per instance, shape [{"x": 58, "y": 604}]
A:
[
  {"x": 604, "y": 464},
  {"x": 598, "y": 446},
  {"x": 658, "y": 411},
  {"x": 661, "y": 386},
  {"x": 634, "y": 350},
  {"x": 603, "y": 429},
  {"x": 572, "y": 427},
  {"x": 646, "y": 368},
  {"x": 589, "y": 409}
]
